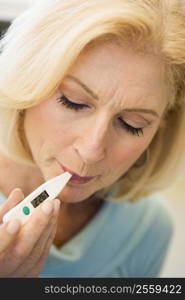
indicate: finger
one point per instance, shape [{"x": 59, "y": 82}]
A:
[
  {"x": 8, "y": 232},
  {"x": 13, "y": 199},
  {"x": 44, "y": 255},
  {"x": 32, "y": 230},
  {"x": 8, "y": 235},
  {"x": 28, "y": 236},
  {"x": 44, "y": 238},
  {"x": 35, "y": 272},
  {"x": 34, "y": 258}
]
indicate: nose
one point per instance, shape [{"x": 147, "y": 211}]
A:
[{"x": 92, "y": 144}]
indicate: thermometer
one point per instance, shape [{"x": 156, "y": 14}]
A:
[{"x": 46, "y": 191}]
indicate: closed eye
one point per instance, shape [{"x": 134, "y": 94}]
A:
[
  {"x": 72, "y": 105},
  {"x": 76, "y": 106}
]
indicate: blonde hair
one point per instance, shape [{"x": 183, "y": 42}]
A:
[{"x": 42, "y": 44}]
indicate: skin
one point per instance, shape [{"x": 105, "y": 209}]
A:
[
  {"x": 90, "y": 142},
  {"x": 17, "y": 257}
]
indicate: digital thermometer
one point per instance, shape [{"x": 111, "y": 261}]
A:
[{"x": 46, "y": 191}]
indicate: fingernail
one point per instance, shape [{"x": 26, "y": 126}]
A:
[
  {"x": 13, "y": 226},
  {"x": 47, "y": 207},
  {"x": 56, "y": 207},
  {"x": 15, "y": 190}
]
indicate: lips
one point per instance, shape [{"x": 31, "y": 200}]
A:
[{"x": 76, "y": 178}]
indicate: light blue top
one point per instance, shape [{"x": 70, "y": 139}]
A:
[{"x": 123, "y": 240}]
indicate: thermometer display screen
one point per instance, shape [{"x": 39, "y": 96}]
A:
[{"x": 39, "y": 199}]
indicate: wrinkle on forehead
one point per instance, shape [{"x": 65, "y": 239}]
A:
[{"x": 122, "y": 76}]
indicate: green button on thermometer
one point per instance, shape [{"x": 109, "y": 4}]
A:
[
  {"x": 46, "y": 191},
  {"x": 26, "y": 210}
]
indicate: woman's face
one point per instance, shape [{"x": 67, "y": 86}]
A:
[{"x": 113, "y": 100}]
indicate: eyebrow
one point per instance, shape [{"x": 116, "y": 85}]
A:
[
  {"x": 91, "y": 93},
  {"x": 86, "y": 88}
]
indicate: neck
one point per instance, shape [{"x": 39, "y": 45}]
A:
[
  {"x": 73, "y": 217},
  {"x": 15, "y": 174}
]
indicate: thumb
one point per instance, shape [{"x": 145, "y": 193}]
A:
[{"x": 13, "y": 199}]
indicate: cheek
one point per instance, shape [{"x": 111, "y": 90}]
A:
[
  {"x": 46, "y": 125},
  {"x": 127, "y": 152}
]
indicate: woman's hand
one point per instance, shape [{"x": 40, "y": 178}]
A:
[{"x": 24, "y": 248}]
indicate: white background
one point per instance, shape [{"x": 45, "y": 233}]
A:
[
  {"x": 11, "y": 8},
  {"x": 175, "y": 261}
]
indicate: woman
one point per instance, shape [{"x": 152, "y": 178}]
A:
[{"x": 95, "y": 88}]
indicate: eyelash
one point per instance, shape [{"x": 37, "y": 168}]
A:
[{"x": 75, "y": 106}]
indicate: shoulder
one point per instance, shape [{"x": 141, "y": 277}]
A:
[
  {"x": 148, "y": 221},
  {"x": 134, "y": 236},
  {"x": 151, "y": 229},
  {"x": 150, "y": 212},
  {"x": 130, "y": 224},
  {"x": 158, "y": 212},
  {"x": 157, "y": 219}
]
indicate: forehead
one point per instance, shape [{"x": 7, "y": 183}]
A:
[{"x": 115, "y": 72}]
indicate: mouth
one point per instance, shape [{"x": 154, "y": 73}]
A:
[{"x": 76, "y": 178}]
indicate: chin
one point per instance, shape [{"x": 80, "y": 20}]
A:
[{"x": 69, "y": 196}]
